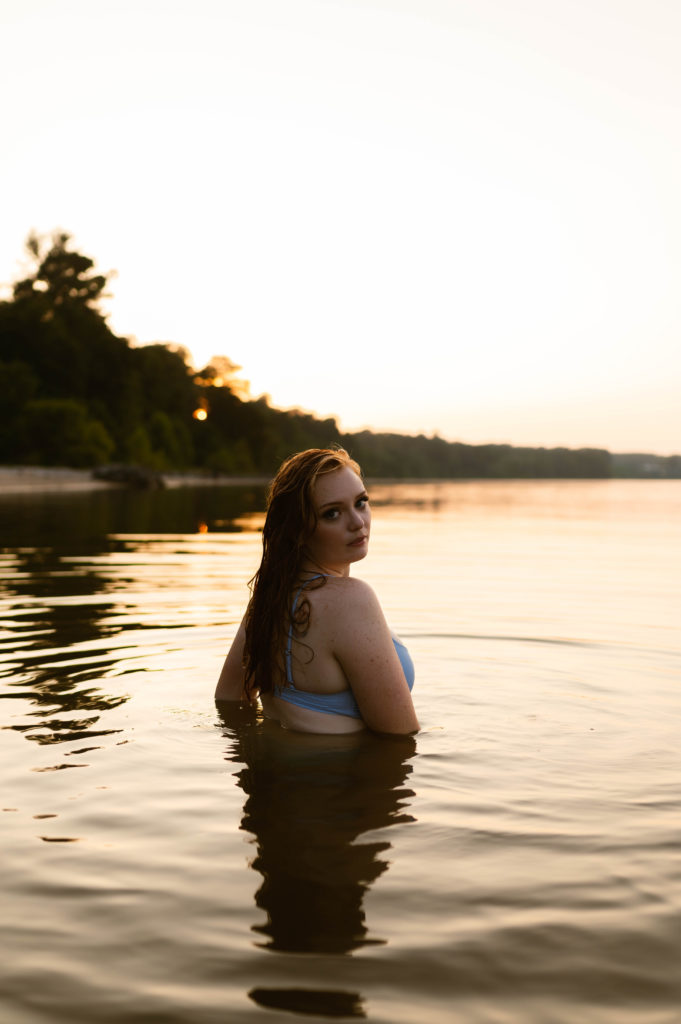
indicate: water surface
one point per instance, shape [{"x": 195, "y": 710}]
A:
[{"x": 518, "y": 861}]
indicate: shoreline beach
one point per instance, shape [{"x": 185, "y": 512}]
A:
[
  {"x": 14, "y": 479},
  {"x": 48, "y": 478}
]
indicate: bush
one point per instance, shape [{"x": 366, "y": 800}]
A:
[{"x": 59, "y": 431}]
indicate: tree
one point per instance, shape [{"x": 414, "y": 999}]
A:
[
  {"x": 62, "y": 276},
  {"x": 72, "y": 392},
  {"x": 58, "y": 432},
  {"x": 56, "y": 330}
]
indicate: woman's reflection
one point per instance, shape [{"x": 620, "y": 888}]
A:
[{"x": 309, "y": 800}]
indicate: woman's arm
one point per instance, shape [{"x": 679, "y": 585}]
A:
[
  {"x": 364, "y": 647},
  {"x": 231, "y": 682}
]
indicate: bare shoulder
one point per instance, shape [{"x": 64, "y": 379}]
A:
[
  {"x": 348, "y": 600},
  {"x": 358, "y": 636},
  {"x": 350, "y": 610}
]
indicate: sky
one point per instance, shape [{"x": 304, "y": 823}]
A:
[{"x": 459, "y": 217}]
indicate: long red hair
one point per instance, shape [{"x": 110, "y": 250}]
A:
[{"x": 289, "y": 521}]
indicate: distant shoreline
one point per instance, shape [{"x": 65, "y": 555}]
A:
[
  {"x": 18, "y": 479},
  {"x": 24, "y": 479}
]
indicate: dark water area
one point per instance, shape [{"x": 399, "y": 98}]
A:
[
  {"x": 167, "y": 859},
  {"x": 86, "y": 520}
]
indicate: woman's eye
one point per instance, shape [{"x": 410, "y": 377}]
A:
[
  {"x": 362, "y": 503},
  {"x": 330, "y": 513}
]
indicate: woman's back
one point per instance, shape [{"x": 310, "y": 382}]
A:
[
  {"x": 337, "y": 668},
  {"x": 312, "y": 687}
]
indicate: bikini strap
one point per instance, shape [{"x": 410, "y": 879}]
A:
[{"x": 289, "y": 641}]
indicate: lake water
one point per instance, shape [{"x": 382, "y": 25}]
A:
[{"x": 518, "y": 861}]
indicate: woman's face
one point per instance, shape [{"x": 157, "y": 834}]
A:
[{"x": 341, "y": 535}]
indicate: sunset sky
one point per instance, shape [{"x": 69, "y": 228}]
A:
[{"x": 451, "y": 216}]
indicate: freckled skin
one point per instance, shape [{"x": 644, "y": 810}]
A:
[
  {"x": 341, "y": 536},
  {"x": 349, "y": 640}
]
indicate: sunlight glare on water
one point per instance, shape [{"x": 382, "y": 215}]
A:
[{"x": 518, "y": 861}]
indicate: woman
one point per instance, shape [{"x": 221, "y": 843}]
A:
[{"x": 314, "y": 644}]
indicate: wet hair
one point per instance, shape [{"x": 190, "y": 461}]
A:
[{"x": 290, "y": 520}]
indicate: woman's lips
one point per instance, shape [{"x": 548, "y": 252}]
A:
[{"x": 358, "y": 541}]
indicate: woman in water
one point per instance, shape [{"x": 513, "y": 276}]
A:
[{"x": 314, "y": 644}]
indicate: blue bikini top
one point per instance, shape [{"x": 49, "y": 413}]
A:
[{"x": 343, "y": 702}]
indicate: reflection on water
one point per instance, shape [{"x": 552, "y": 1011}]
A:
[
  {"x": 310, "y": 800},
  {"x": 63, "y": 626},
  {"x": 308, "y": 803},
  {"x": 55, "y": 641},
  {"x": 83, "y": 522},
  {"x": 517, "y": 862},
  {"x": 308, "y": 1001}
]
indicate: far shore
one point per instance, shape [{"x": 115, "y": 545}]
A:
[
  {"x": 24, "y": 479},
  {"x": 15, "y": 479}
]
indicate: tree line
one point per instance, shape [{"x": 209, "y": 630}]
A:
[{"x": 75, "y": 394}]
